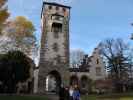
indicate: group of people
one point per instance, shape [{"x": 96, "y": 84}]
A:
[{"x": 69, "y": 93}]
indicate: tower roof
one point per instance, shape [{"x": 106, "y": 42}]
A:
[{"x": 55, "y": 4}]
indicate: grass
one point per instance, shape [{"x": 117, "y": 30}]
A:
[
  {"x": 90, "y": 97},
  {"x": 4, "y": 97},
  {"x": 120, "y": 98},
  {"x": 23, "y": 98},
  {"x": 126, "y": 98},
  {"x": 108, "y": 97}
]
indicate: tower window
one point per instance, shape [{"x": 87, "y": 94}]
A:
[
  {"x": 56, "y": 27},
  {"x": 49, "y": 7},
  {"x": 55, "y": 47},
  {"x": 56, "y": 17},
  {"x": 57, "y": 8},
  {"x": 58, "y": 58},
  {"x": 64, "y": 10},
  {"x": 97, "y": 61},
  {"x": 98, "y": 71}
]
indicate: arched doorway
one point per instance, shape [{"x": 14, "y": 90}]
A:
[
  {"x": 74, "y": 80},
  {"x": 84, "y": 84},
  {"x": 53, "y": 82}
]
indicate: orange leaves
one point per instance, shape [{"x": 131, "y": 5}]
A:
[
  {"x": 3, "y": 13},
  {"x": 20, "y": 27},
  {"x": 24, "y": 27}
]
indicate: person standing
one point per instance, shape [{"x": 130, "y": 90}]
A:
[
  {"x": 67, "y": 93},
  {"x": 76, "y": 94},
  {"x": 71, "y": 93},
  {"x": 62, "y": 93}
]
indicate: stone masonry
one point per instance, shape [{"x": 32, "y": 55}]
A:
[{"x": 54, "y": 53}]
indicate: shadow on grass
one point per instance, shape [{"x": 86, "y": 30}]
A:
[{"x": 23, "y": 97}]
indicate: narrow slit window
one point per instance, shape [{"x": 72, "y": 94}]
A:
[
  {"x": 97, "y": 61},
  {"x": 98, "y": 71},
  {"x": 55, "y": 47}
]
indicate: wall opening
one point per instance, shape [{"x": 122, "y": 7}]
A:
[
  {"x": 84, "y": 82},
  {"x": 74, "y": 80},
  {"x": 53, "y": 82},
  {"x": 56, "y": 28}
]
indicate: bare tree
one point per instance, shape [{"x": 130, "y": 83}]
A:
[
  {"x": 76, "y": 57},
  {"x": 116, "y": 54}
]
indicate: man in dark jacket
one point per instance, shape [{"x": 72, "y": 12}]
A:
[
  {"x": 67, "y": 96},
  {"x": 62, "y": 93}
]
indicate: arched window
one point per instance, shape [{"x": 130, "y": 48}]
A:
[
  {"x": 97, "y": 61},
  {"x": 64, "y": 10},
  {"x": 57, "y": 8},
  {"x": 74, "y": 80},
  {"x": 53, "y": 81},
  {"x": 49, "y": 7},
  {"x": 84, "y": 81},
  {"x": 56, "y": 27},
  {"x": 98, "y": 71}
]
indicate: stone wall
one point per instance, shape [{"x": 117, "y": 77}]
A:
[{"x": 51, "y": 59}]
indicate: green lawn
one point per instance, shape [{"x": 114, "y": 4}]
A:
[
  {"x": 23, "y": 98},
  {"x": 90, "y": 97},
  {"x": 109, "y": 97},
  {"x": 126, "y": 98},
  {"x": 121, "y": 98}
]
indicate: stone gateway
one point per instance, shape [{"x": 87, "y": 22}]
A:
[
  {"x": 54, "y": 53},
  {"x": 54, "y": 68}
]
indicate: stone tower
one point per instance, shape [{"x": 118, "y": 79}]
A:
[{"x": 54, "y": 53}]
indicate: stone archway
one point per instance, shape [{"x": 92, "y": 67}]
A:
[
  {"x": 53, "y": 81},
  {"x": 84, "y": 84},
  {"x": 84, "y": 81},
  {"x": 74, "y": 80}
]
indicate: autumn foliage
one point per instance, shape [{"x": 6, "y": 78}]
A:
[{"x": 4, "y": 14}]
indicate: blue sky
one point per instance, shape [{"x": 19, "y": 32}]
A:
[{"x": 91, "y": 20}]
